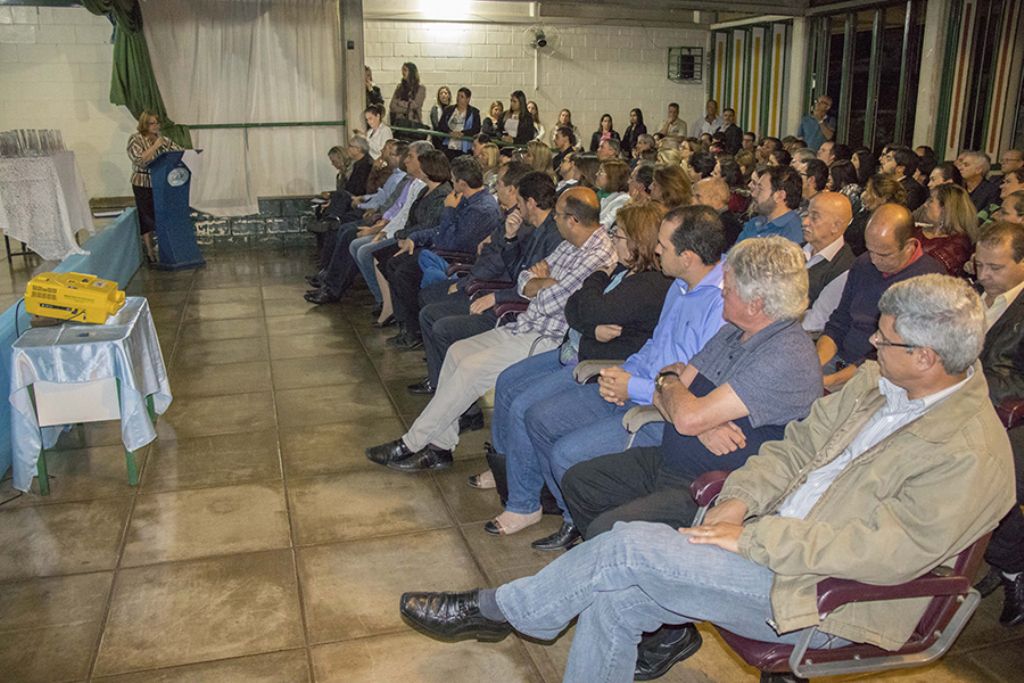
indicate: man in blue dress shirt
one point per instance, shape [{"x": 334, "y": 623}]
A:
[{"x": 775, "y": 196}]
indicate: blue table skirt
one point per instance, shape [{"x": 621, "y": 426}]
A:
[{"x": 114, "y": 254}]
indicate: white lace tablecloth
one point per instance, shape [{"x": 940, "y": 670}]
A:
[
  {"x": 125, "y": 347},
  {"x": 43, "y": 203}
]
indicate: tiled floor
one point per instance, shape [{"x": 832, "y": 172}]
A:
[{"x": 261, "y": 545}]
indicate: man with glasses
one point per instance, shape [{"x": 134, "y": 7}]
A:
[
  {"x": 893, "y": 255},
  {"x": 775, "y": 197},
  {"x": 889, "y": 478},
  {"x": 818, "y": 126}
]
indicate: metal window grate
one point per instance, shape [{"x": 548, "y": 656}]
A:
[{"x": 686, "y": 64}]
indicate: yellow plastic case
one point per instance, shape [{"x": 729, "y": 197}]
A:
[{"x": 73, "y": 296}]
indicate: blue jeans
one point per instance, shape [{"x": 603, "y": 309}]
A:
[
  {"x": 362, "y": 249},
  {"x": 632, "y": 580},
  {"x": 537, "y": 402}
]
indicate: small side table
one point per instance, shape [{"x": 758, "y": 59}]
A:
[{"x": 84, "y": 373}]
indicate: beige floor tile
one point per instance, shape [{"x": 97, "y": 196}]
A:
[
  {"x": 421, "y": 659},
  {"x": 212, "y": 461},
  {"x": 291, "y": 666},
  {"x": 209, "y": 415},
  {"x": 80, "y": 474},
  {"x": 351, "y": 590},
  {"x": 275, "y": 308},
  {"x": 200, "y": 312},
  {"x": 334, "y": 447},
  {"x": 283, "y": 293},
  {"x": 392, "y": 365},
  {"x": 234, "y": 606},
  {"x": 469, "y": 505},
  {"x": 166, "y": 313},
  {"x": 352, "y": 505},
  {"x": 165, "y": 298},
  {"x": 342, "y": 368},
  {"x": 220, "y": 379},
  {"x": 337, "y": 403},
  {"x": 406, "y": 403},
  {"x": 182, "y": 525},
  {"x": 65, "y": 538},
  {"x": 306, "y": 345},
  {"x": 50, "y": 655},
  {"x": 91, "y": 434},
  {"x": 193, "y": 354},
  {"x": 225, "y": 295},
  {"x": 217, "y": 330},
  {"x": 498, "y": 553},
  {"x": 319, "y": 321}
]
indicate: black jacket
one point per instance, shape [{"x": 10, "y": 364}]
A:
[
  {"x": 630, "y": 136},
  {"x": 356, "y": 183},
  {"x": 472, "y": 126},
  {"x": 916, "y": 194},
  {"x": 733, "y": 138},
  {"x": 425, "y": 211},
  {"x": 824, "y": 272},
  {"x": 1002, "y": 357},
  {"x": 595, "y": 139},
  {"x": 524, "y": 133},
  {"x": 635, "y": 304}
]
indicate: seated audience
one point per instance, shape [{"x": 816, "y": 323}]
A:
[
  {"x": 472, "y": 365},
  {"x": 673, "y": 126},
  {"x": 779, "y": 157},
  {"x": 565, "y": 121},
  {"x": 613, "y": 189},
  {"x": 528, "y": 236},
  {"x": 766, "y": 147},
  {"x": 842, "y": 178},
  {"x": 774, "y": 200},
  {"x": 999, "y": 265},
  {"x": 610, "y": 318},
  {"x": 606, "y": 131},
  {"x": 938, "y": 478},
  {"x": 944, "y": 173},
  {"x": 893, "y": 255},
  {"x": 564, "y": 142},
  {"x": 538, "y": 156},
  {"x": 1011, "y": 160},
  {"x": 880, "y": 189},
  {"x": 709, "y": 123},
  {"x": 814, "y": 177},
  {"x": 462, "y": 121},
  {"x": 714, "y": 193},
  {"x": 645, "y": 150},
  {"x": 640, "y": 180},
  {"x": 491, "y": 125},
  {"x": 901, "y": 163},
  {"x": 609, "y": 149},
  {"x": 951, "y": 223},
  {"x": 731, "y": 133},
  {"x": 633, "y": 132},
  {"x": 865, "y": 163},
  {"x": 731, "y": 171},
  {"x": 974, "y": 167},
  {"x": 1012, "y": 210},
  {"x": 470, "y": 214},
  {"x": 749, "y": 141},
  {"x": 829, "y": 257},
  {"x": 671, "y": 187}
]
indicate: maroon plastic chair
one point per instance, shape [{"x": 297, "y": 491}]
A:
[
  {"x": 1011, "y": 412},
  {"x": 487, "y": 286},
  {"x": 953, "y": 603},
  {"x": 456, "y": 256}
]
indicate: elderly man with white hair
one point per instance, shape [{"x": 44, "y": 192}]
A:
[
  {"x": 884, "y": 481},
  {"x": 974, "y": 167}
]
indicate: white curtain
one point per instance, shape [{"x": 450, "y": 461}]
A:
[{"x": 250, "y": 61}]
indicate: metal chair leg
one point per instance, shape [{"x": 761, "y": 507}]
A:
[
  {"x": 133, "y": 469},
  {"x": 44, "y": 477}
]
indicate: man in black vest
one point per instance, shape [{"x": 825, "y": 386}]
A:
[
  {"x": 829, "y": 257},
  {"x": 999, "y": 264}
]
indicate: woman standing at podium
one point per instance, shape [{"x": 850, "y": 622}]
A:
[{"x": 143, "y": 146}]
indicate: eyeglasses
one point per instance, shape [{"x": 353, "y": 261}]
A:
[
  {"x": 564, "y": 214},
  {"x": 879, "y": 340}
]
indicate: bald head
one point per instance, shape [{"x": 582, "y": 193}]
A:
[
  {"x": 577, "y": 214},
  {"x": 889, "y": 237},
  {"x": 712, "y": 192},
  {"x": 828, "y": 216}
]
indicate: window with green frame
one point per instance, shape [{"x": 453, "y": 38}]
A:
[{"x": 868, "y": 61}]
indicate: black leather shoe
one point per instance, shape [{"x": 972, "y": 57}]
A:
[
  {"x": 1013, "y": 602},
  {"x": 452, "y": 616},
  {"x": 388, "y": 452},
  {"x": 386, "y": 322},
  {"x": 314, "y": 281},
  {"x": 396, "y": 341},
  {"x": 412, "y": 343},
  {"x": 422, "y": 387},
  {"x": 563, "y": 539},
  {"x": 471, "y": 422},
  {"x": 428, "y": 458},
  {"x": 659, "y": 651},
  {"x": 988, "y": 585},
  {"x": 320, "y": 297}
]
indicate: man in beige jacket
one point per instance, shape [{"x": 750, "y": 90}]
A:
[{"x": 885, "y": 480}]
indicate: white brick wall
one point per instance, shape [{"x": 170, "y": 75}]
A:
[
  {"x": 591, "y": 70},
  {"x": 55, "y": 73}
]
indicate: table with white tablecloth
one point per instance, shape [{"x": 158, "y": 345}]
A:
[
  {"x": 125, "y": 347},
  {"x": 43, "y": 203}
]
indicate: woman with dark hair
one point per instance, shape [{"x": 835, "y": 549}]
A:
[
  {"x": 516, "y": 125},
  {"x": 728, "y": 170},
  {"x": 610, "y": 317},
  {"x": 865, "y": 163},
  {"x": 407, "y": 103},
  {"x": 635, "y": 129},
  {"x": 943, "y": 174},
  {"x": 462, "y": 121},
  {"x": 612, "y": 189},
  {"x": 779, "y": 157},
  {"x": 671, "y": 186},
  {"x": 640, "y": 180},
  {"x": 606, "y": 131},
  {"x": 539, "y": 131},
  {"x": 880, "y": 189},
  {"x": 842, "y": 178}
]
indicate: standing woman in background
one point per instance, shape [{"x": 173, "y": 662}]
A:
[
  {"x": 633, "y": 132},
  {"x": 516, "y": 123},
  {"x": 565, "y": 119},
  {"x": 407, "y": 103},
  {"x": 444, "y": 98},
  {"x": 531, "y": 107},
  {"x": 143, "y": 146},
  {"x": 606, "y": 131}
]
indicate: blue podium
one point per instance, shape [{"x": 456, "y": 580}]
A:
[{"x": 175, "y": 232}]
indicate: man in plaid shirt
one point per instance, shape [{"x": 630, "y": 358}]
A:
[{"x": 472, "y": 365}]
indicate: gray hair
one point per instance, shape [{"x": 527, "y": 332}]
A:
[
  {"x": 804, "y": 154},
  {"x": 360, "y": 142},
  {"x": 774, "y": 270},
  {"x": 941, "y": 313},
  {"x": 419, "y": 147},
  {"x": 982, "y": 158}
]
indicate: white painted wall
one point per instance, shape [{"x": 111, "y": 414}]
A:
[
  {"x": 55, "y": 73},
  {"x": 589, "y": 69}
]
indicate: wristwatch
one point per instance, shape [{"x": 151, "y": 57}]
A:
[{"x": 659, "y": 381}]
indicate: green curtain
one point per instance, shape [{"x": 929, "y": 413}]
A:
[{"x": 132, "y": 82}]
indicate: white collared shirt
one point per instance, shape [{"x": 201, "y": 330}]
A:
[
  {"x": 826, "y": 254},
  {"x": 828, "y": 299},
  {"x": 898, "y": 411},
  {"x": 999, "y": 305}
]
